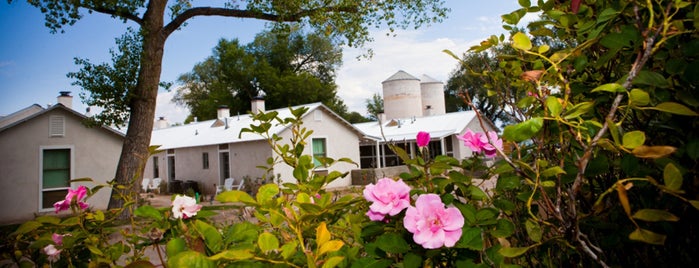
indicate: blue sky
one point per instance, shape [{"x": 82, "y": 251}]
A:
[{"x": 34, "y": 62}]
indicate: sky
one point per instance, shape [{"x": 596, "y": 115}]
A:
[{"x": 34, "y": 62}]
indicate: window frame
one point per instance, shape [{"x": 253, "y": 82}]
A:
[
  {"x": 71, "y": 166},
  {"x": 324, "y": 140},
  {"x": 205, "y": 160}
]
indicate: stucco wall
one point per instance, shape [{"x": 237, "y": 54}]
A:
[
  {"x": 95, "y": 154},
  {"x": 341, "y": 141}
]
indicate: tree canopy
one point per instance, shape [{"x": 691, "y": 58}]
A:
[{"x": 286, "y": 66}]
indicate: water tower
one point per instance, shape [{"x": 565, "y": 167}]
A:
[
  {"x": 432, "y": 92},
  {"x": 401, "y": 96}
]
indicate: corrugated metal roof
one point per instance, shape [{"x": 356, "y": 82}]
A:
[
  {"x": 400, "y": 75},
  {"x": 438, "y": 126},
  {"x": 426, "y": 79},
  {"x": 203, "y": 134}
]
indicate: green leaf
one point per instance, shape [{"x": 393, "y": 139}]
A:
[
  {"x": 521, "y": 41},
  {"x": 673, "y": 108},
  {"x": 543, "y": 49},
  {"x": 486, "y": 214},
  {"x": 513, "y": 252},
  {"x": 639, "y": 97},
  {"x": 654, "y": 215},
  {"x": 504, "y": 228},
  {"x": 647, "y": 236},
  {"x": 27, "y": 227},
  {"x": 175, "y": 246},
  {"x": 554, "y": 106},
  {"x": 235, "y": 254},
  {"x": 694, "y": 203},
  {"x": 471, "y": 238},
  {"x": 633, "y": 139},
  {"x": 211, "y": 236},
  {"x": 267, "y": 242},
  {"x": 611, "y": 87},
  {"x": 412, "y": 260},
  {"x": 48, "y": 219},
  {"x": 672, "y": 177},
  {"x": 267, "y": 192},
  {"x": 148, "y": 212},
  {"x": 523, "y": 131},
  {"x": 650, "y": 78},
  {"x": 477, "y": 193},
  {"x": 332, "y": 262},
  {"x": 289, "y": 249},
  {"x": 579, "y": 109},
  {"x": 235, "y": 196},
  {"x": 553, "y": 171},
  {"x": 525, "y": 3},
  {"x": 533, "y": 230},
  {"x": 71, "y": 221},
  {"x": 190, "y": 259},
  {"x": 392, "y": 243},
  {"x": 653, "y": 152}
]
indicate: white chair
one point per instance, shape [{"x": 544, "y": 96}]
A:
[
  {"x": 145, "y": 184},
  {"x": 155, "y": 185},
  {"x": 240, "y": 185},
  {"x": 228, "y": 184}
]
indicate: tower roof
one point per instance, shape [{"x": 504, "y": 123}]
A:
[
  {"x": 425, "y": 79},
  {"x": 400, "y": 75}
]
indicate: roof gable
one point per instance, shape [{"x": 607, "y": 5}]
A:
[{"x": 55, "y": 107}]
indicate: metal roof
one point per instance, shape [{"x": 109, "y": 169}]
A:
[
  {"x": 400, "y": 75},
  {"x": 438, "y": 126},
  {"x": 204, "y": 133}
]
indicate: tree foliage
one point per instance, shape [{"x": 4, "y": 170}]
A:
[
  {"x": 374, "y": 106},
  {"x": 108, "y": 86},
  {"x": 287, "y": 67},
  {"x": 341, "y": 20},
  {"x": 604, "y": 156}
]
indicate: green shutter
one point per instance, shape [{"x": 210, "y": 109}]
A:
[{"x": 318, "y": 150}]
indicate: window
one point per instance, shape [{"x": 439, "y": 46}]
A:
[
  {"x": 156, "y": 169},
  {"x": 205, "y": 160},
  {"x": 55, "y": 176},
  {"x": 318, "y": 115},
  {"x": 367, "y": 156},
  {"x": 318, "y": 150},
  {"x": 171, "y": 167},
  {"x": 57, "y": 126}
]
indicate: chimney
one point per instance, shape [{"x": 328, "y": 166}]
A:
[
  {"x": 162, "y": 123},
  {"x": 257, "y": 104},
  {"x": 381, "y": 117},
  {"x": 66, "y": 99},
  {"x": 223, "y": 112}
]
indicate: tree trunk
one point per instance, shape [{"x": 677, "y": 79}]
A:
[{"x": 134, "y": 152}]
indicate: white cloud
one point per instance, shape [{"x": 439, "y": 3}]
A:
[{"x": 172, "y": 112}]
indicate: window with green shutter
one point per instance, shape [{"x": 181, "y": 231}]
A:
[
  {"x": 55, "y": 176},
  {"x": 319, "y": 150}
]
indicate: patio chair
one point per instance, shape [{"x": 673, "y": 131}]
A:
[
  {"x": 155, "y": 185},
  {"x": 228, "y": 184},
  {"x": 145, "y": 184}
]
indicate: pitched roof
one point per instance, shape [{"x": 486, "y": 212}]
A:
[
  {"x": 426, "y": 79},
  {"x": 31, "y": 112},
  {"x": 438, "y": 126},
  {"x": 400, "y": 75},
  {"x": 19, "y": 115},
  {"x": 204, "y": 133}
]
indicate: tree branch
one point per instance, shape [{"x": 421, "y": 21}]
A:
[
  {"x": 114, "y": 12},
  {"x": 240, "y": 13}
]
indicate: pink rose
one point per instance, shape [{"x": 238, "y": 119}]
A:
[
  {"x": 78, "y": 194},
  {"x": 389, "y": 197},
  {"x": 478, "y": 142},
  {"x": 433, "y": 225},
  {"x": 58, "y": 238},
  {"x": 422, "y": 139},
  {"x": 184, "y": 207},
  {"x": 52, "y": 252}
]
